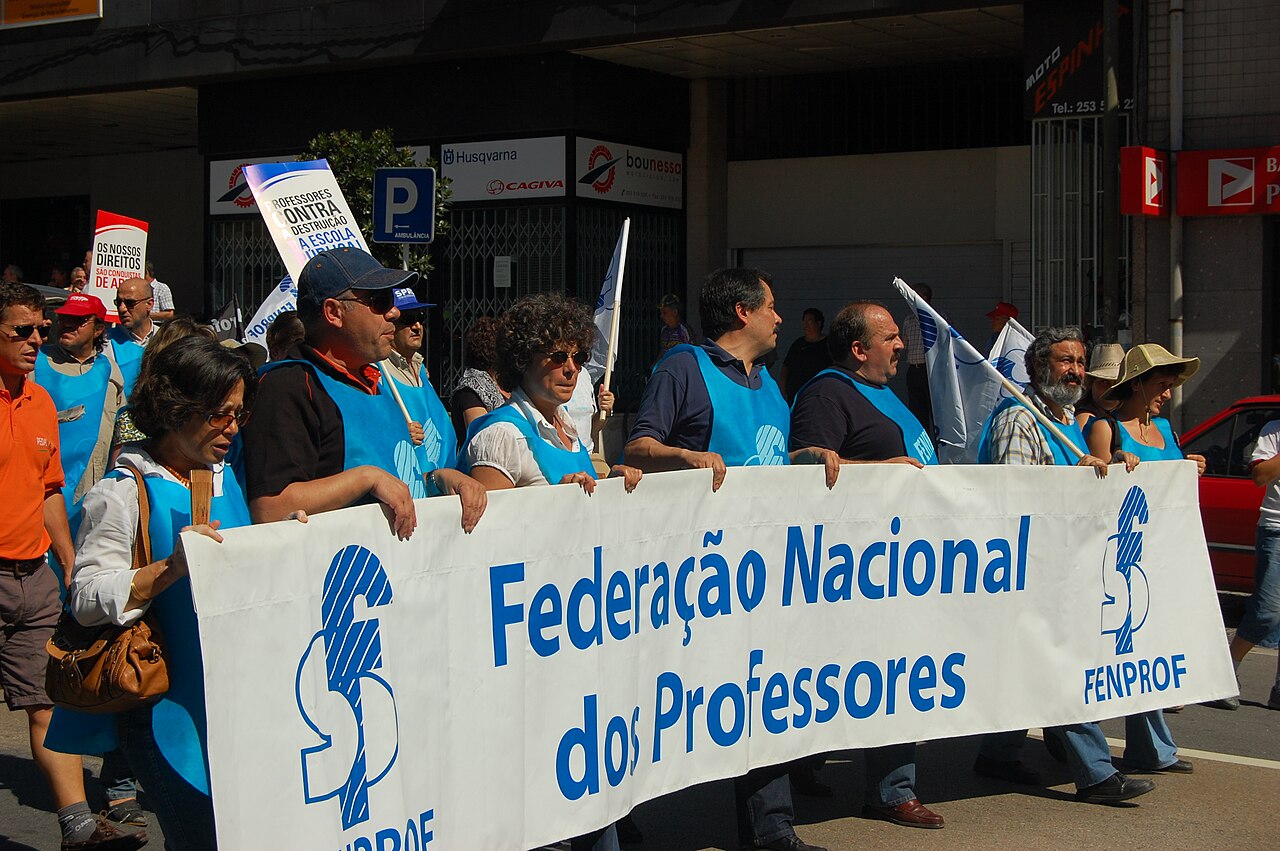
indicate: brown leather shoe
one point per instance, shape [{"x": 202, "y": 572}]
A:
[
  {"x": 908, "y": 814},
  {"x": 107, "y": 837}
]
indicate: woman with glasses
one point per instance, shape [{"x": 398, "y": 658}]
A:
[
  {"x": 190, "y": 403},
  {"x": 542, "y": 343}
]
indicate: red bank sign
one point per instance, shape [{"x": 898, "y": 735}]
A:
[
  {"x": 1143, "y": 182},
  {"x": 1240, "y": 182}
]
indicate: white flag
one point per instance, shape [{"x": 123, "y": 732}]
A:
[
  {"x": 283, "y": 297},
  {"x": 940, "y": 358},
  {"x": 605, "y": 351},
  {"x": 981, "y": 390}
]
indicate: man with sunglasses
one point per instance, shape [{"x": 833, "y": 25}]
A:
[
  {"x": 87, "y": 387},
  {"x": 326, "y": 430},
  {"x": 128, "y": 339},
  {"x": 33, "y": 523},
  {"x": 431, "y": 429}
]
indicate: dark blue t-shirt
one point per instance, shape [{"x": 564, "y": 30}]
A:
[
  {"x": 676, "y": 409},
  {"x": 832, "y": 415}
]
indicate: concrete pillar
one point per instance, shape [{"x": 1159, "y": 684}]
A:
[{"x": 707, "y": 188}]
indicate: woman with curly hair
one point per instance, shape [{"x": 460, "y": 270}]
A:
[
  {"x": 543, "y": 341},
  {"x": 190, "y": 402}
]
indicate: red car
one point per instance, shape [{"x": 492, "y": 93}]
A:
[{"x": 1229, "y": 499}]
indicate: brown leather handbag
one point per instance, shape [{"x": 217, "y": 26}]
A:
[{"x": 110, "y": 668}]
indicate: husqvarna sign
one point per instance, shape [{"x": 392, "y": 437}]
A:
[{"x": 505, "y": 169}]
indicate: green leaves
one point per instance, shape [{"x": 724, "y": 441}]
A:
[{"x": 354, "y": 157}]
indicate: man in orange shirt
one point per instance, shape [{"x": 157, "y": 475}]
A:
[{"x": 35, "y": 520}]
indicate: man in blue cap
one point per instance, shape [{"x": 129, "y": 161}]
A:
[
  {"x": 430, "y": 427},
  {"x": 325, "y": 432}
]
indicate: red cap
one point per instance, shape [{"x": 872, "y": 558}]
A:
[
  {"x": 1003, "y": 308},
  {"x": 79, "y": 304}
]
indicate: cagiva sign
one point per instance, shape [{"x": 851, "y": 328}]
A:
[{"x": 506, "y": 169}]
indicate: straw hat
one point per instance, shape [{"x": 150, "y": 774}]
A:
[
  {"x": 1146, "y": 357},
  {"x": 1105, "y": 361}
]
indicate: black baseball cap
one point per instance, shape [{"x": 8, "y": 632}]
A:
[{"x": 333, "y": 272}]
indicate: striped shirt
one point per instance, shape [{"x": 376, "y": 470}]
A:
[{"x": 1017, "y": 439}]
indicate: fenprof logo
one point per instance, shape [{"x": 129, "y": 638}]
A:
[
  {"x": 771, "y": 448},
  {"x": 1126, "y": 602},
  {"x": 1126, "y": 594},
  {"x": 341, "y": 693},
  {"x": 1231, "y": 182}
]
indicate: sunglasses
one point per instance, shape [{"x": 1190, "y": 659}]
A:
[
  {"x": 379, "y": 301},
  {"x": 24, "y": 332},
  {"x": 413, "y": 317},
  {"x": 130, "y": 303},
  {"x": 559, "y": 358},
  {"x": 222, "y": 419}
]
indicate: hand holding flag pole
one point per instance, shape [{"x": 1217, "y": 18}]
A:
[
  {"x": 925, "y": 311},
  {"x": 608, "y": 315}
]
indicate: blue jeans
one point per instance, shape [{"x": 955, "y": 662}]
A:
[
  {"x": 891, "y": 774},
  {"x": 116, "y": 779},
  {"x": 765, "y": 810},
  {"x": 605, "y": 839},
  {"x": 1147, "y": 741},
  {"x": 1261, "y": 622},
  {"x": 185, "y": 814},
  {"x": 1087, "y": 751}
]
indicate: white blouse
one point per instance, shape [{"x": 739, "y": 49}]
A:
[{"x": 501, "y": 445}]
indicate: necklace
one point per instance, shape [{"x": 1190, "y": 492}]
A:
[{"x": 183, "y": 480}]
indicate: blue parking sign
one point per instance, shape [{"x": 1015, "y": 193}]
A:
[{"x": 404, "y": 204}]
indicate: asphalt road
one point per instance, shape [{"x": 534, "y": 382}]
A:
[{"x": 1229, "y": 802}]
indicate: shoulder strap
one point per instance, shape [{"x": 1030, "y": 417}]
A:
[
  {"x": 142, "y": 542},
  {"x": 1115, "y": 434}
]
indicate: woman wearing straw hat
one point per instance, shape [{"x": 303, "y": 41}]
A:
[
  {"x": 1104, "y": 369},
  {"x": 1144, "y": 383},
  {"x": 1147, "y": 378}
]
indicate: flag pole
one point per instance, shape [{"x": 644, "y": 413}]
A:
[
  {"x": 613, "y": 332},
  {"x": 1008, "y": 385}
]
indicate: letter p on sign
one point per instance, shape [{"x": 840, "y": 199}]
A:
[{"x": 404, "y": 205}]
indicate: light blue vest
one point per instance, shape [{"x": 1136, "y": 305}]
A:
[
  {"x": 373, "y": 429},
  {"x": 554, "y": 461},
  {"x": 1061, "y": 455},
  {"x": 77, "y": 438},
  {"x": 914, "y": 438},
  {"x": 127, "y": 354},
  {"x": 1171, "y": 451},
  {"x": 177, "y": 719},
  {"x": 439, "y": 450},
  {"x": 749, "y": 428}
]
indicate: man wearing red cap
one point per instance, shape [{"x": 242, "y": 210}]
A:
[
  {"x": 1000, "y": 316},
  {"x": 87, "y": 388}
]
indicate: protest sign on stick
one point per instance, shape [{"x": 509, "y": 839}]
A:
[
  {"x": 304, "y": 209},
  {"x": 119, "y": 253}
]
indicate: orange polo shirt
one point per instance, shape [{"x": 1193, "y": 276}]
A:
[{"x": 30, "y": 469}]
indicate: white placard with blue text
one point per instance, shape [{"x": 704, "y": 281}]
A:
[
  {"x": 577, "y": 655},
  {"x": 304, "y": 209}
]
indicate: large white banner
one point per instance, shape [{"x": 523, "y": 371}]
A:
[
  {"x": 505, "y": 170},
  {"x": 304, "y": 209},
  {"x": 576, "y": 655}
]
